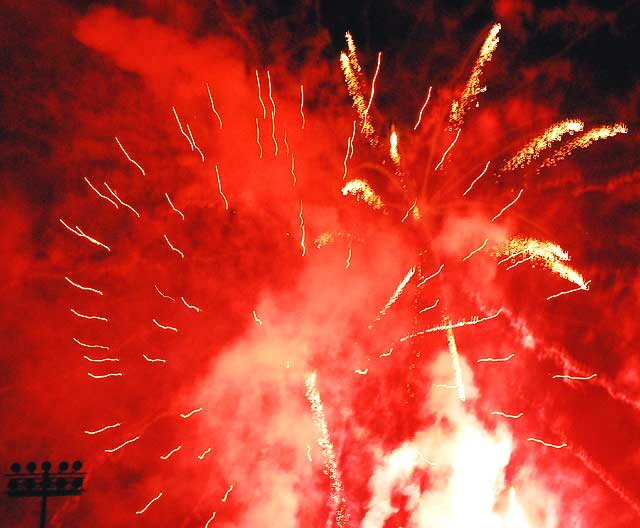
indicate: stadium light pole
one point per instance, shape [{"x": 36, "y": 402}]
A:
[{"x": 68, "y": 480}]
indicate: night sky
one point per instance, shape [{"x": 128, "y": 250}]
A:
[{"x": 224, "y": 272}]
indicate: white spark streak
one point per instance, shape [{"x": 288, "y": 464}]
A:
[
  {"x": 285, "y": 141},
  {"x": 149, "y": 504},
  {"x": 511, "y": 256},
  {"x": 309, "y": 454},
  {"x": 129, "y": 157},
  {"x": 346, "y": 156},
  {"x": 426, "y": 101},
  {"x": 190, "y": 306},
  {"x": 474, "y": 181},
  {"x": 520, "y": 262},
  {"x": 102, "y": 360},
  {"x": 213, "y": 107},
  {"x": 102, "y": 376},
  {"x": 500, "y": 413},
  {"x": 386, "y": 354},
  {"x": 496, "y": 359},
  {"x": 85, "y": 288},
  {"x": 476, "y": 250},
  {"x": 373, "y": 87},
  {"x": 455, "y": 359},
  {"x": 103, "y": 429},
  {"x": 302, "y": 105},
  {"x": 421, "y": 283},
  {"x": 463, "y": 322},
  {"x": 163, "y": 295},
  {"x": 164, "y": 457},
  {"x": 584, "y": 288},
  {"x": 293, "y": 169},
  {"x": 256, "y": 318},
  {"x": 264, "y": 108},
  {"x": 508, "y": 205},
  {"x": 210, "y": 519},
  {"x": 122, "y": 445},
  {"x": 447, "y": 151},
  {"x": 406, "y": 215},
  {"x": 304, "y": 249},
  {"x": 90, "y": 346},
  {"x": 83, "y": 316},
  {"x": 258, "y": 137},
  {"x": 100, "y": 194},
  {"x": 204, "y": 453},
  {"x": 566, "y": 376},
  {"x": 193, "y": 141},
  {"x": 120, "y": 200},
  {"x": 226, "y": 203},
  {"x": 396, "y": 294},
  {"x": 173, "y": 247},
  {"x": 324, "y": 441},
  {"x": 154, "y": 360},
  {"x": 224, "y": 499},
  {"x": 191, "y": 413},
  {"x": 556, "y": 446},
  {"x": 182, "y": 129},
  {"x": 430, "y": 307},
  {"x": 353, "y": 138},
  {"x": 172, "y": 328},
  {"x": 77, "y": 231},
  {"x": 347, "y": 264},
  {"x": 361, "y": 372},
  {"x": 273, "y": 115},
  {"x": 173, "y": 206}
]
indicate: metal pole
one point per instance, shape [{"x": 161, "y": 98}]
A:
[{"x": 43, "y": 511}]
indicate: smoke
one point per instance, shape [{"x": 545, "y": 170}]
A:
[{"x": 263, "y": 296}]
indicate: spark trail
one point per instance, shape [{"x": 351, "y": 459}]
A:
[
  {"x": 77, "y": 231},
  {"x": 149, "y": 504},
  {"x": 338, "y": 500},
  {"x": 213, "y": 106},
  {"x": 103, "y": 429},
  {"x": 85, "y": 288},
  {"x": 129, "y": 157},
  {"x": 460, "y": 107},
  {"x": 424, "y": 105},
  {"x": 120, "y": 201},
  {"x": 122, "y": 445},
  {"x": 226, "y": 203},
  {"x": 455, "y": 359}
]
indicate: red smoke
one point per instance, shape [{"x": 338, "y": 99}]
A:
[{"x": 273, "y": 307}]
